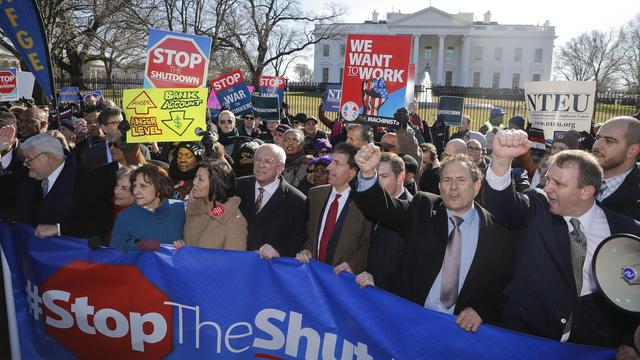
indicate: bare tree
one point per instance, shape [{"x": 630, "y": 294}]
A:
[
  {"x": 631, "y": 62},
  {"x": 594, "y": 55},
  {"x": 303, "y": 72}
]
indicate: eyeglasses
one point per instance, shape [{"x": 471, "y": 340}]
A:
[
  {"x": 249, "y": 118},
  {"x": 324, "y": 151},
  {"x": 261, "y": 161},
  {"x": 474, "y": 149},
  {"x": 28, "y": 162},
  {"x": 291, "y": 140},
  {"x": 226, "y": 121},
  {"x": 113, "y": 143}
]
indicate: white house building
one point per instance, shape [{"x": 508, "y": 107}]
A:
[{"x": 452, "y": 48}]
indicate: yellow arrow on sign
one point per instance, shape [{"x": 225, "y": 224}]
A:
[
  {"x": 141, "y": 104},
  {"x": 178, "y": 123}
]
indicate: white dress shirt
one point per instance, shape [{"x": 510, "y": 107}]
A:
[
  {"x": 344, "y": 195},
  {"x": 269, "y": 190},
  {"x": 6, "y": 159}
]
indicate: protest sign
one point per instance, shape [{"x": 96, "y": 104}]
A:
[
  {"x": 67, "y": 301},
  {"x": 331, "y": 98},
  {"x": 96, "y": 93},
  {"x": 265, "y": 107},
  {"x": 69, "y": 94},
  {"x": 176, "y": 60},
  {"x": 558, "y": 106},
  {"x": 375, "y": 78},
  {"x": 9, "y": 85},
  {"x": 450, "y": 109},
  {"x": 26, "y": 80},
  {"x": 232, "y": 90},
  {"x": 164, "y": 114},
  {"x": 22, "y": 24},
  {"x": 272, "y": 86}
]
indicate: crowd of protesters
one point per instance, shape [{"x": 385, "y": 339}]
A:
[{"x": 479, "y": 224}]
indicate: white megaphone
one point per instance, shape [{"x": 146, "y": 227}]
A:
[{"x": 616, "y": 269}]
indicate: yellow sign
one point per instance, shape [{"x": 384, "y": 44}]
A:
[{"x": 165, "y": 115}]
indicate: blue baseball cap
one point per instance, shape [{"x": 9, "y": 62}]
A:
[{"x": 497, "y": 111}]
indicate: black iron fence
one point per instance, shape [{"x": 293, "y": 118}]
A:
[{"x": 307, "y": 97}]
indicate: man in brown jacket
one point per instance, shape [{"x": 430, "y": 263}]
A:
[{"x": 338, "y": 233}]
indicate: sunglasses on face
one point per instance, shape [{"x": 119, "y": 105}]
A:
[
  {"x": 249, "y": 118},
  {"x": 473, "y": 149}
]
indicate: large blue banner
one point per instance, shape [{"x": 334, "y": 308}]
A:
[
  {"x": 21, "y": 23},
  {"x": 199, "y": 303}
]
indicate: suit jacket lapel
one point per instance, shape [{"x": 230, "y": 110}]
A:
[
  {"x": 481, "y": 256},
  {"x": 560, "y": 249},
  {"x": 276, "y": 199},
  {"x": 441, "y": 227},
  {"x": 341, "y": 233}
]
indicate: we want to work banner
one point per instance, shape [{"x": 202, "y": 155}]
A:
[
  {"x": 67, "y": 301},
  {"x": 376, "y": 72}
]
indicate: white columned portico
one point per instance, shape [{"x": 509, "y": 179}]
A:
[
  {"x": 440, "y": 74},
  {"x": 466, "y": 46},
  {"x": 415, "y": 50}
]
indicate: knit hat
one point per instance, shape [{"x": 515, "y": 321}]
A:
[
  {"x": 320, "y": 144},
  {"x": 570, "y": 138},
  {"x": 518, "y": 120},
  {"x": 474, "y": 135},
  {"x": 194, "y": 147},
  {"x": 69, "y": 123},
  {"x": 326, "y": 160},
  {"x": 410, "y": 164},
  {"x": 536, "y": 136}
]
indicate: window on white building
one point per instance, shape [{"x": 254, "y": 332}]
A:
[
  {"x": 535, "y": 77},
  {"x": 517, "y": 56},
  {"x": 448, "y": 78},
  {"x": 498, "y": 54},
  {"x": 538, "y": 56},
  {"x": 515, "y": 80},
  {"x": 495, "y": 81},
  {"x": 450, "y": 53},
  {"x": 427, "y": 54},
  {"x": 325, "y": 50},
  {"x": 325, "y": 74},
  {"x": 476, "y": 79},
  {"x": 343, "y": 49},
  {"x": 341, "y": 74},
  {"x": 477, "y": 53}
]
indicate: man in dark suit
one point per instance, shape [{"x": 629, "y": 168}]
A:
[
  {"x": 386, "y": 245},
  {"x": 337, "y": 232},
  {"x": 456, "y": 257},
  {"x": 59, "y": 197},
  {"x": 552, "y": 292},
  {"x": 275, "y": 211},
  {"x": 12, "y": 171},
  {"x": 616, "y": 148}
]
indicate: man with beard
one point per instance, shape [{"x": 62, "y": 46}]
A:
[{"x": 616, "y": 148}]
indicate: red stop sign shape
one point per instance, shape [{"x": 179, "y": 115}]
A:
[
  {"x": 176, "y": 62},
  {"x": 101, "y": 311},
  {"x": 8, "y": 82}
]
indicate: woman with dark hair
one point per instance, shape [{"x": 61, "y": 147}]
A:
[
  {"x": 183, "y": 167},
  {"x": 154, "y": 219},
  {"x": 213, "y": 217}
]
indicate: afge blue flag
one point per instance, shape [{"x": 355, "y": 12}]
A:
[
  {"x": 21, "y": 23},
  {"x": 196, "y": 303}
]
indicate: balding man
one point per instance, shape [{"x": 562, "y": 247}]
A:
[
  {"x": 32, "y": 121},
  {"x": 58, "y": 197},
  {"x": 454, "y": 146},
  {"x": 617, "y": 148}
]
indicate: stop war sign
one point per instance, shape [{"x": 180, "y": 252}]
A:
[
  {"x": 8, "y": 85},
  {"x": 176, "y": 60}
]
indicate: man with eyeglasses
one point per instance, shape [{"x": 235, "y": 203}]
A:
[
  {"x": 249, "y": 128},
  {"x": 59, "y": 197},
  {"x": 476, "y": 152},
  {"x": 275, "y": 210}
]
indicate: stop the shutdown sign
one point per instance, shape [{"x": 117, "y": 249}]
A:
[
  {"x": 8, "y": 85},
  {"x": 176, "y": 60}
]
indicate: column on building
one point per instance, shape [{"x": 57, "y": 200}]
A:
[
  {"x": 415, "y": 52},
  {"x": 466, "y": 46},
  {"x": 440, "y": 74}
]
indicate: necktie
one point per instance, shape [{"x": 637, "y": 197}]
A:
[
  {"x": 578, "y": 242},
  {"x": 451, "y": 265},
  {"x": 45, "y": 187},
  {"x": 329, "y": 224},
  {"x": 259, "y": 200},
  {"x": 578, "y": 252},
  {"x": 603, "y": 188}
]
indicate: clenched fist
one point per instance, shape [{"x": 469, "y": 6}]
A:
[{"x": 368, "y": 158}]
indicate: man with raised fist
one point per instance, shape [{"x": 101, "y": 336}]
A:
[{"x": 552, "y": 292}]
